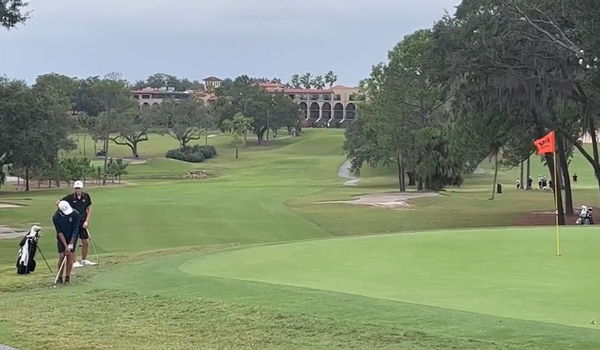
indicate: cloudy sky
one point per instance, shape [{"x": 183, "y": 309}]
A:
[{"x": 198, "y": 38}]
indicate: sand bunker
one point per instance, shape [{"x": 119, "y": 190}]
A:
[
  {"x": 386, "y": 200},
  {"x": 8, "y": 232},
  {"x": 8, "y": 205}
]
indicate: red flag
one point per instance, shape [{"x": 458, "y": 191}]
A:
[{"x": 546, "y": 144}]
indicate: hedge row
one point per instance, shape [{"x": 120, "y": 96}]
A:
[{"x": 193, "y": 154}]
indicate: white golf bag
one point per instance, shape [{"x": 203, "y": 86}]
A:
[{"x": 29, "y": 246}]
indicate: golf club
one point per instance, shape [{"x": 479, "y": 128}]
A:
[
  {"x": 46, "y": 261},
  {"x": 60, "y": 270},
  {"x": 93, "y": 246}
]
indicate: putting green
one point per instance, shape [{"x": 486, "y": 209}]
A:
[{"x": 503, "y": 272}]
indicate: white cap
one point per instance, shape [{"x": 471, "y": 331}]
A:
[
  {"x": 78, "y": 184},
  {"x": 65, "y": 207}
]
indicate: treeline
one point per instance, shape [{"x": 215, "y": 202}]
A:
[
  {"x": 485, "y": 82},
  {"x": 36, "y": 121}
]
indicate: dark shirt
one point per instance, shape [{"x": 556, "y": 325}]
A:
[
  {"x": 79, "y": 203},
  {"x": 68, "y": 225}
]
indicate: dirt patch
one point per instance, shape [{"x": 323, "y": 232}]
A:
[
  {"x": 386, "y": 200},
  {"x": 542, "y": 219}
]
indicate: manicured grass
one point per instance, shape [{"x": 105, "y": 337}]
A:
[{"x": 236, "y": 286}]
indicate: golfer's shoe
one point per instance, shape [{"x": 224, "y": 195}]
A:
[
  {"x": 59, "y": 280},
  {"x": 78, "y": 264},
  {"x": 67, "y": 280},
  {"x": 88, "y": 263}
]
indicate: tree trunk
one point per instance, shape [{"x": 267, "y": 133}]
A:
[
  {"x": 401, "y": 185},
  {"x": 133, "y": 147},
  {"x": 236, "y": 152},
  {"x": 49, "y": 183},
  {"x": 495, "y": 176},
  {"x": 420, "y": 184},
  {"x": 592, "y": 125},
  {"x": 521, "y": 183},
  {"x": 206, "y": 139},
  {"x": 105, "y": 160},
  {"x": 557, "y": 194},
  {"x": 564, "y": 169},
  {"x": 411, "y": 178},
  {"x": 587, "y": 156},
  {"x": 528, "y": 172},
  {"x": 27, "y": 179},
  {"x": 84, "y": 138}
]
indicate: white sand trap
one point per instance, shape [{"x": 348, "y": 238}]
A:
[
  {"x": 386, "y": 200},
  {"x": 8, "y": 233},
  {"x": 7, "y": 205},
  {"x": 138, "y": 161}
]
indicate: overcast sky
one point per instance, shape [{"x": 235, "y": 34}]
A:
[{"x": 198, "y": 38}]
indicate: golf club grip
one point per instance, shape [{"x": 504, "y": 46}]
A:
[{"x": 60, "y": 269}]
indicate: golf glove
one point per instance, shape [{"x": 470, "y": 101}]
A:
[{"x": 70, "y": 247}]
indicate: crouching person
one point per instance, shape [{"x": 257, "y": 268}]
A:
[{"x": 66, "y": 221}]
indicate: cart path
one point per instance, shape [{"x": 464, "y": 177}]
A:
[{"x": 345, "y": 173}]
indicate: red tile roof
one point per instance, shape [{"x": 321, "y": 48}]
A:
[{"x": 308, "y": 91}]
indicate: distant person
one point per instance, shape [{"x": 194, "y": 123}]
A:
[
  {"x": 82, "y": 202},
  {"x": 540, "y": 182},
  {"x": 2, "y": 176},
  {"x": 66, "y": 223},
  {"x": 575, "y": 177},
  {"x": 529, "y": 183},
  {"x": 544, "y": 182},
  {"x": 518, "y": 184}
]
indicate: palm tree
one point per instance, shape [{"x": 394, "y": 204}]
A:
[
  {"x": 305, "y": 80},
  {"x": 330, "y": 78}
]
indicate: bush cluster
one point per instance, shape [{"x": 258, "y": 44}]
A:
[{"x": 193, "y": 154}]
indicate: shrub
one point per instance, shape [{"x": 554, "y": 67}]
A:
[{"x": 193, "y": 154}]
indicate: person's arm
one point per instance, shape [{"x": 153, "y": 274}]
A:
[
  {"x": 63, "y": 241},
  {"x": 88, "y": 215},
  {"x": 75, "y": 233},
  {"x": 88, "y": 212}
]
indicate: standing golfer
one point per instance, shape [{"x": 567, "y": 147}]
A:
[
  {"x": 82, "y": 202},
  {"x": 66, "y": 222}
]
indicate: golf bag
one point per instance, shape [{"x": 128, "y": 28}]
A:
[
  {"x": 585, "y": 216},
  {"x": 29, "y": 246}
]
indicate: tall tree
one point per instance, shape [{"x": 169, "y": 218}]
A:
[
  {"x": 330, "y": 78},
  {"x": 305, "y": 80},
  {"x": 12, "y": 13},
  {"x": 295, "y": 82},
  {"x": 185, "y": 120},
  {"x": 113, "y": 95},
  {"x": 318, "y": 82},
  {"x": 35, "y": 126},
  {"x": 237, "y": 127}
]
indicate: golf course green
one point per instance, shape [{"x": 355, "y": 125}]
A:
[{"x": 262, "y": 255}]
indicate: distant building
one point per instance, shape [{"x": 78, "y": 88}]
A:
[
  {"x": 150, "y": 97},
  {"x": 212, "y": 83},
  {"x": 333, "y": 107}
]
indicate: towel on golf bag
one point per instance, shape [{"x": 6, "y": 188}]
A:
[{"x": 25, "y": 261}]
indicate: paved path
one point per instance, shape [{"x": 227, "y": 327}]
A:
[{"x": 345, "y": 173}]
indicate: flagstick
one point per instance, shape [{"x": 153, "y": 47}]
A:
[{"x": 556, "y": 204}]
